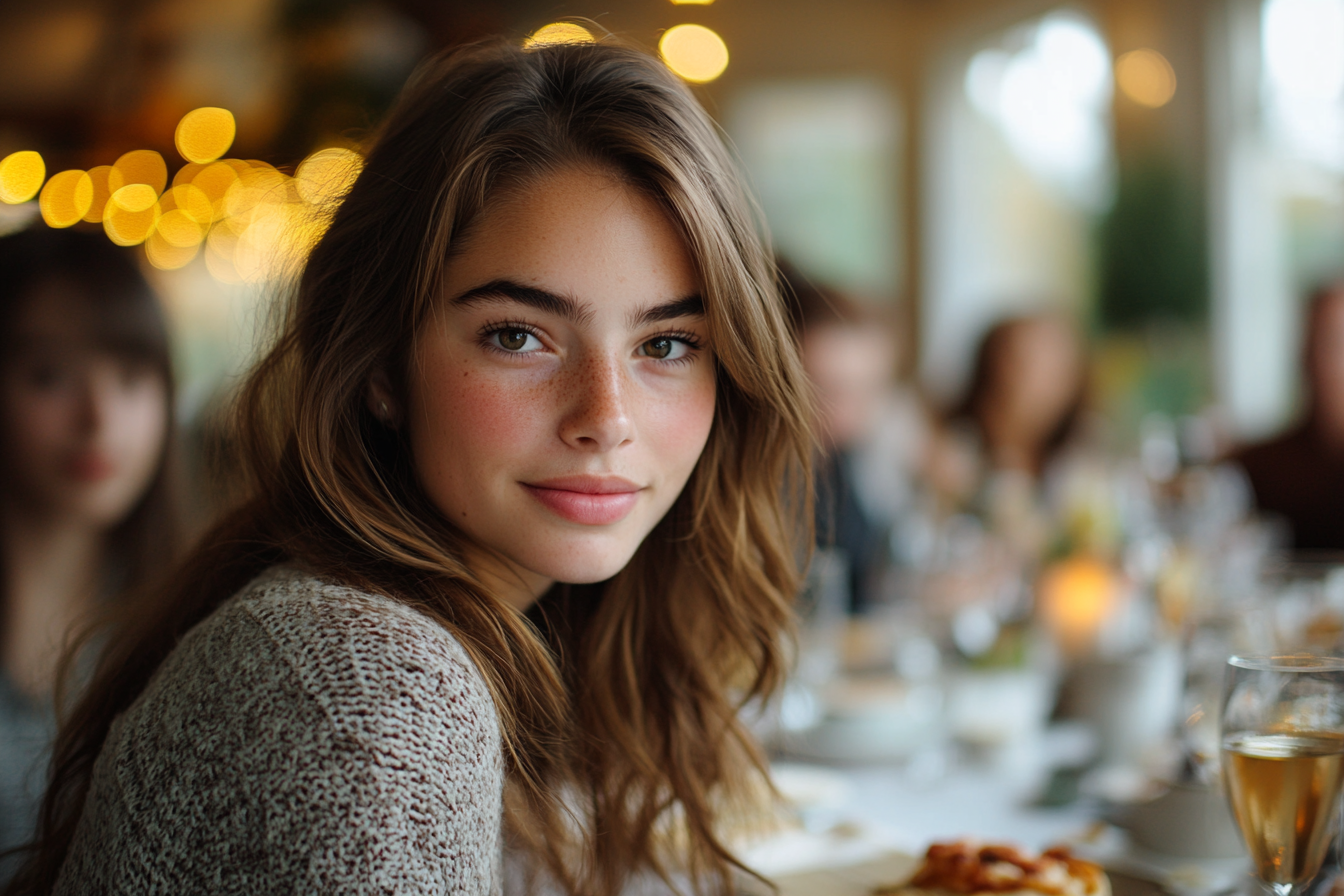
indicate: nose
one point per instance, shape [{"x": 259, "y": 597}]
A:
[
  {"x": 95, "y": 395},
  {"x": 597, "y": 406}
]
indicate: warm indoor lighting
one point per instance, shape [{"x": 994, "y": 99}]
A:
[
  {"x": 327, "y": 175},
  {"x": 98, "y": 178},
  {"x": 559, "y": 33},
  {"x": 205, "y": 134},
  {"x": 21, "y": 176},
  {"x": 140, "y": 166},
  {"x": 66, "y": 198},
  {"x": 131, "y": 214},
  {"x": 691, "y": 2},
  {"x": 1076, "y": 597},
  {"x": 1146, "y": 77},
  {"x": 694, "y": 52},
  {"x": 165, "y": 256},
  {"x": 214, "y": 181}
]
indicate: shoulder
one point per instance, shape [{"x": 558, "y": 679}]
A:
[
  {"x": 373, "y": 665},
  {"x": 305, "y": 734}
]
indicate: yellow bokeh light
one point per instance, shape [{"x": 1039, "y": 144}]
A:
[
  {"x": 131, "y": 214},
  {"x": 187, "y": 173},
  {"x": 21, "y": 176},
  {"x": 1146, "y": 77},
  {"x": 140, "y": 166},
  {"x": 205, "y": 134},
  {"x": 214, "y": 181},
  {"x": 559, "y": 33},
  {"x": 164, "y": 255},
  {"x": 694, "y": 52},
  {"x": 691, "y": 2},
  {"x": 177, "y": 228},
  {"x": 192, "y": 201},
  {"x": 327, "y": 175},
  {"x": 98, "y": 178},
  {"x": 66, "y": 198}
]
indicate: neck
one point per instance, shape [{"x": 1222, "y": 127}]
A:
[
  {"x": 517, "y": 587},
  {"x": 51, "y": 571}
]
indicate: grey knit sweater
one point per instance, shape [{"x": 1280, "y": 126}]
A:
[{"x": 305, "y": 738}]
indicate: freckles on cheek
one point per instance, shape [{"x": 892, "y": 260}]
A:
[{"x": 481, "y": 414}]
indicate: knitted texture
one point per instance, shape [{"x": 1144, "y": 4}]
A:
[{"x": 305, "y": 738}]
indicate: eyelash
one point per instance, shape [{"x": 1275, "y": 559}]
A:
[{"x": 692, "y": 341}]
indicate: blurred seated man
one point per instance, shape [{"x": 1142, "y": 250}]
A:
[
  {"x": 1300, "y": 475},
  {"x": 872, "y": 434}
]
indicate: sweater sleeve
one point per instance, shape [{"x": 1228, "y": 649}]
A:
[{"x": 305, "y": 739}]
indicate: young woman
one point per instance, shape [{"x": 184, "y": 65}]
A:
[
  {"x": 521, "y": 539},
  {"x": 87, "y": 510}
]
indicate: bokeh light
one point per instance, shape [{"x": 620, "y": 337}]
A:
[
  {"x": 327, "y": 175},
  {"x": 131, "y": 214},
  {"x": 692, "y": 2},
  {"x": 1050, "y": 99},
  {"x": 1146, "y": 77},
  {"x": 694, "y": 52},
  {"x": 214, "y": 181},
  {"x": 102, "y": 192},
  {"x": 21, "y": 176},
  {"x": 559, "y": 33},
  {"x": 66, "y": 198},
  {"x": 164, "y": 255},
  {"x": 140, "y": 166},
  {"x": 205, "y": 134},
  {"x": 1304, "y": 47}
]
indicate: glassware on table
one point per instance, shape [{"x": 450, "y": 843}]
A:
[{"x": 1283, "y": 761}]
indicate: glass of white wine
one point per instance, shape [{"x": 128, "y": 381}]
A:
[{"x": 1283, "y": 761}]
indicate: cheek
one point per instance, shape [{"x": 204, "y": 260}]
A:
[
  {"x": 39, "y": 425},
  {"x": 681, "y": 426},
  {"x": 465, "y": 421},
  {"x": 138, "y": 424}
]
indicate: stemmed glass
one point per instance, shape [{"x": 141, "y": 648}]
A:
[{"x": 1283, "y": 761}]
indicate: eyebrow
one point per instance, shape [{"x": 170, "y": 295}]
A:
[
  {"x": 507, "y": 291},
  {"x": 564, "y": 306},
  {"x": 690, "y": 306}
]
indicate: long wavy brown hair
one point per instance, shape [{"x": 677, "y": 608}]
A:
[{"x": 626, "y": 694}]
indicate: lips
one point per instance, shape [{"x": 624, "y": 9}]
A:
[
  {"x": 587, "y": 500},
  {"x": 89, "y": 466}
]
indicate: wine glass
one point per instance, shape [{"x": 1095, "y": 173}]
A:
[{"x": 1283, "y": 761}]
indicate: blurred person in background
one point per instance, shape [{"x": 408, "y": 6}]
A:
[
  {"x": 1299, "y": 475},
  {"x": 87, "y": 505},
  {"x": 1020, "y": 418},
  {"x": 873, "y": 434}
]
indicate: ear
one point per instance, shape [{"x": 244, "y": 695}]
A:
[{"x": 380, "y": 399}]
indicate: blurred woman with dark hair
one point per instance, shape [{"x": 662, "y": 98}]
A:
[
  {"x": 87, "y": 504},
  {"x": 1026, "y": 393},
  {"x": 1021, "y": 416}
]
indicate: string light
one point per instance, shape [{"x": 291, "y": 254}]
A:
[
  {"x": 66, "y": 198},
  {"x": 205, "y": 134},
  {"x": 252, "y": 222},
  {"x": 21, "y": 176},
  {"x": 559, "y": 33},
  {"x": 1146, "y": 77},
  {"x": 694, "y": 52}
]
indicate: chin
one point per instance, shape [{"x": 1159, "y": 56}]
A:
[{"x": 583, "y": 564}]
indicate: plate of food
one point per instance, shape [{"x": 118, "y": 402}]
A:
[{"x": 959, "y": 868}]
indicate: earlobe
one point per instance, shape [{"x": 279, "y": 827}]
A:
[{"x": 380, "y": 400}]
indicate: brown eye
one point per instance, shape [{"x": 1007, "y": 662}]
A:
[
  {"x": 660, "y": 348},
  {"x": 513, "y": 339}
]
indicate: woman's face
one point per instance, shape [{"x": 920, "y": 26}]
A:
[
  {"x": 563, "y": 389},
  {"x": 83, "y": 429}
]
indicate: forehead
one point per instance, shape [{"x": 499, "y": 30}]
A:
[{"x": 580, "y": 232}]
